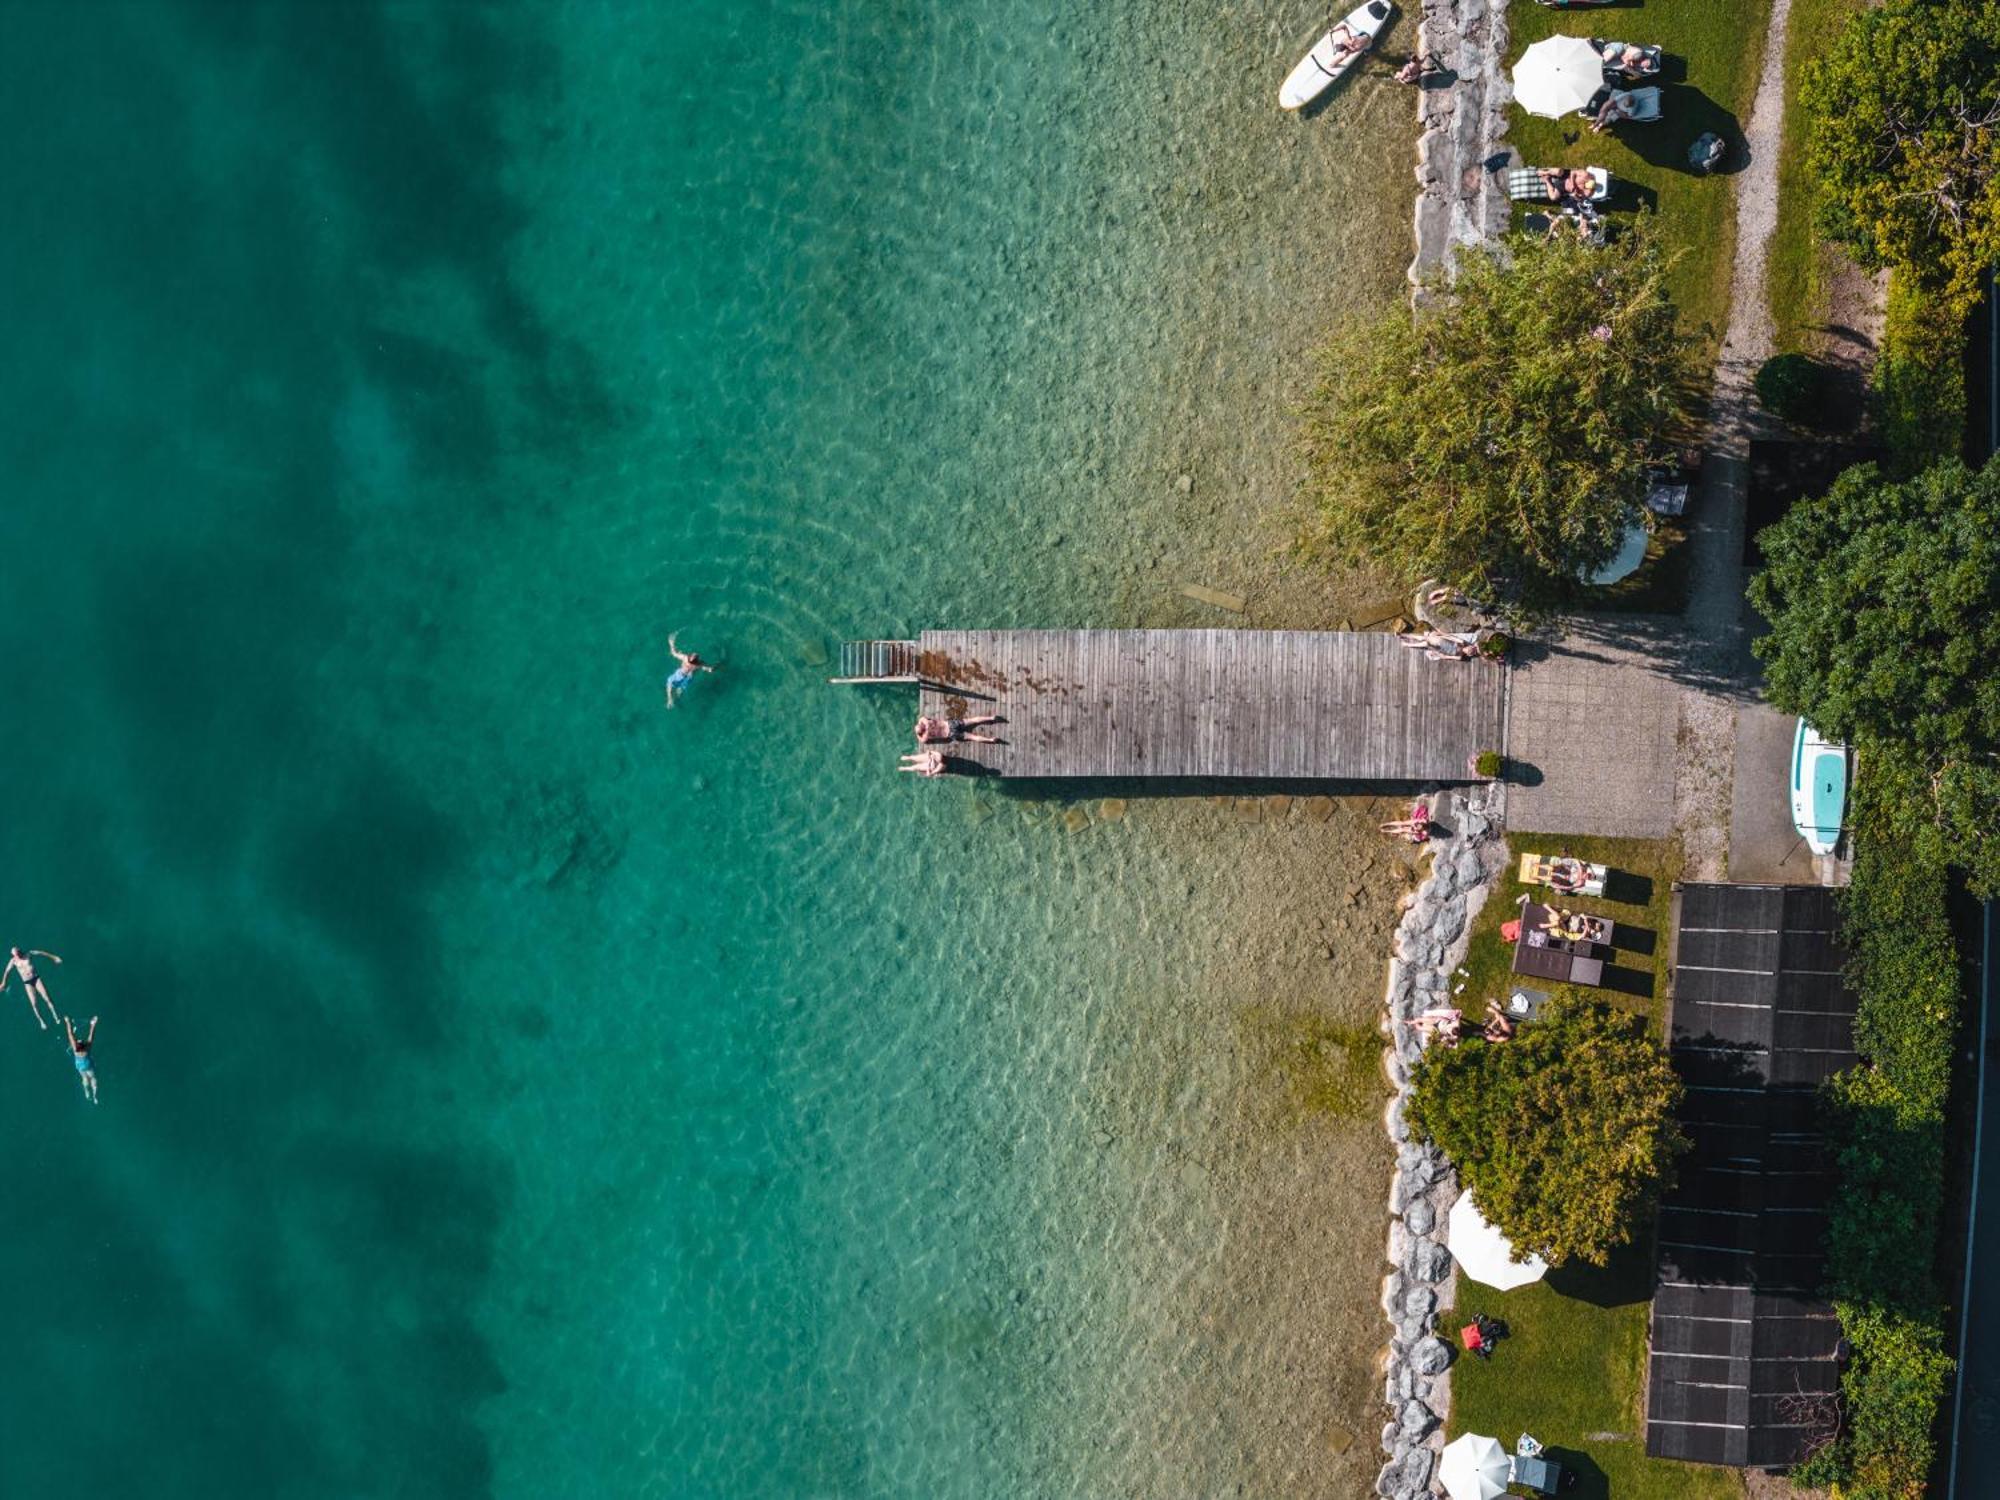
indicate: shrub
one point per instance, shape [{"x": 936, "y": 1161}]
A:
[
  {"x": 1794, "y": 388},
  {"x": 1496, "y": 437},
  {"x": 1487, "y": 763},
  {"x": 1886, "y": 1129},
  {"x": 1919, "y": 379},
  {"x": 1566, "y": 1134}
]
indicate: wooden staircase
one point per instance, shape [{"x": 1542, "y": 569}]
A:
[{"x": 878, "y": 661}]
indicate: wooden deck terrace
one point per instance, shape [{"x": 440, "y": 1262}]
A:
[{"x": 1253, "y": 704}]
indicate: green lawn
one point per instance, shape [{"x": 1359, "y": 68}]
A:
[
  {"x": 1572, "y": 1369},
  {"x": 1713, "y": 49},
  {"x": 1642, "y": 873},
  {"x": 1799, "y": 257},
  {"x": 1570, "y": 1372}
]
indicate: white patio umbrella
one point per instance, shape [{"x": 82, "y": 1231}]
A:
[
  {"x": 1475, "y": 1468},
  {"x": 1557, "y": 76},
  {"x": 1631, "y": 553},
  {"x": 1483, "y": 1252}
]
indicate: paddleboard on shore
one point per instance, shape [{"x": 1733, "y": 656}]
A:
[
  {"x": 1819, "y": 788},
  {"x": 1328, "y": 59}
]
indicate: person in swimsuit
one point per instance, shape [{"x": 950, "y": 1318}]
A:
[
  {"x": 79, "y": 1053},
  {"x": 1347, "y": 41},
  {"x": 940, "y": 731},
  {"x": 925, "y": 763},
  {"x": 690, "y": 662},
  {"x": 20, "y": 963}
]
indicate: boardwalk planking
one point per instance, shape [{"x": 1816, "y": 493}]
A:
[{"x": 1264, "y": 704}]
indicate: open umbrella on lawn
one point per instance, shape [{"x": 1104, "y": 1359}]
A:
[
  {"x": 1483, "y": 1253},
  {"x": 1557, "y": 76},
  {"x": 1475, "y": 1468}
]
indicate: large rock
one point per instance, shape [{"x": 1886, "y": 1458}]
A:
[
  {"x": 1416, "y": 1467},
  {"x": 1416, "y": 1165},
  {"x": 1416, "y": 1420},
  {"x": 1430, "y": 1356},
  {"x": 1392, "y": 1440},
  {"x": 1392, "y": 1294},
  {"x": 1450, "y": 920},
  {"x": 1428, "y": 1261},
  {"x": 1420, "y": 1218},
  {"x": 1422, "y": 1301},
  {"x": 1399, "y": 1242}
]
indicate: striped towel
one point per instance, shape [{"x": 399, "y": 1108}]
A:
[{"x": 1525, "y": 185}]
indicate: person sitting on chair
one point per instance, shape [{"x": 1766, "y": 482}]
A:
[{"x": 1618, "y": 107}]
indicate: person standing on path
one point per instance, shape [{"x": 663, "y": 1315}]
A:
[
  {"x": 690, "y": 662},
  {"x": 79, "y": 1053},
  {"x": 38, "y": 990}
]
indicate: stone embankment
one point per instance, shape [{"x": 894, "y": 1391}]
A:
[
  {"x": 1461, "y": 198},
  {"x": 1430, "y": 941}
]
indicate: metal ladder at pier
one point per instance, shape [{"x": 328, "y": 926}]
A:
[{"x": 878, "y": 661}]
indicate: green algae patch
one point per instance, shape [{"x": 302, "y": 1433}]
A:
[{"x": 1323, "y": 1069}]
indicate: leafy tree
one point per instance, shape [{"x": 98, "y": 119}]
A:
[
  {"x": 1884, "y": 603},
  {"x": 1901, "y": 116},
  {"x": 1565, "y": 1135},
  {"x": 1496, "y": 435}
]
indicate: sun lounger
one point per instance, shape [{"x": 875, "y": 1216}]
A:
[
  {"x": 1542, "y": 869},
  {"x": 1525, "y": 185},
  {"x": 1611, "y": 52}
]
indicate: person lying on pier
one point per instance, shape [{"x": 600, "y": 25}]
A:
[
  {"x": 940, "y": 730},
  {"x": 1439, "y": 646},
  {"x": 1441, "y": 1022},
  {"x": 1499, "y": 1025},
  {"x": 925, "y": 763}
]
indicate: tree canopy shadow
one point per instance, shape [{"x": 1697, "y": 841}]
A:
[{"x": 1626, "y": 1278}]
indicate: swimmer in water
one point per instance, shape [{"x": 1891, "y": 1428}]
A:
[
  {"x": 690, "y": 662},
  {"x": 79, "y": 1053},
  {"x": 24, "y": 965}
]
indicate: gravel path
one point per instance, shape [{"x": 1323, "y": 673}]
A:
[{"x": 1715, "y": 619}]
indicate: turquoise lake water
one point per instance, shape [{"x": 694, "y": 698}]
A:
[{"x": 511, "y": 1088}]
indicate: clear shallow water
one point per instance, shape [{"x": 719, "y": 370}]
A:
[{"x": 511, "y": 1088}]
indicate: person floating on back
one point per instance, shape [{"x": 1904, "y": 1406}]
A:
[
  {"x": 38, "y": 991},
  {"x": 690, "y": 663},
  {"x": 79, "y": 1052}
]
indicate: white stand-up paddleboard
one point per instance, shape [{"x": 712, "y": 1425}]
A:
[{"x": 1328, "y": 59}]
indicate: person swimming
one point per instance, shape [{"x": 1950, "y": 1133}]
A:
[
  {"x": 20, "y": 963},
  {"x": 689, "y": 663},
  {"x": 79, "y": 1052}
]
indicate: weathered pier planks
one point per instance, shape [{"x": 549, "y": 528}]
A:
[{"x": 1264, "y": 704}]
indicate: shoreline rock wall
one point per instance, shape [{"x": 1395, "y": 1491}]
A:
[
  {"x": 1460, "y": 199},
  {"x": 1431, "y": 939}
]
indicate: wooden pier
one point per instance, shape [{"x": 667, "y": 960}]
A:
[{"x": 1254, "y": 704}]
